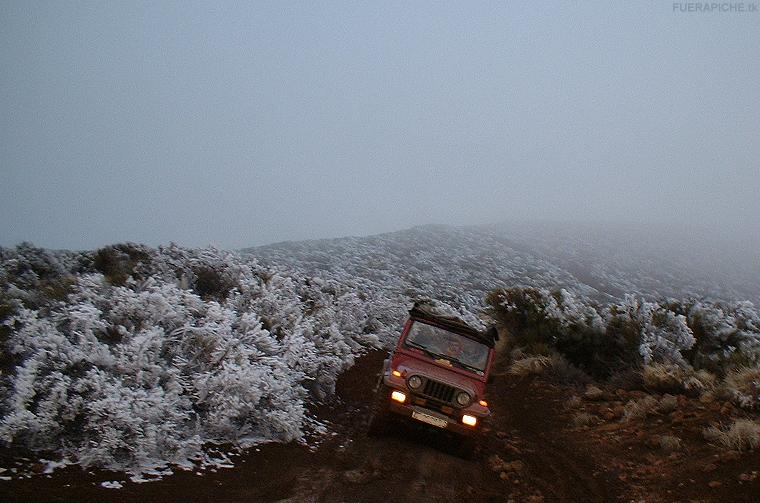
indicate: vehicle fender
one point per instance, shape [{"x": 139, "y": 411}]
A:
[{"x": 382, "y": 378}]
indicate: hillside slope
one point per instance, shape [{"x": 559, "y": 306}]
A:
[{"x": 461, "y": 264}]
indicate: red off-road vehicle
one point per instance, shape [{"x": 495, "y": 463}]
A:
[{"x": 436, "y": 375}]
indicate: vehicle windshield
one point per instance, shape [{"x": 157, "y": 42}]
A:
[{"x": 440, "y": 343}]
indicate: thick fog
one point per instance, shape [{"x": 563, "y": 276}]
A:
[{"x": 240, "y": 124}]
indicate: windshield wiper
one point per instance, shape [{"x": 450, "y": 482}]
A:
[
  {"x": 462, "y": 364},
  {"x": 423, "y": 348}
]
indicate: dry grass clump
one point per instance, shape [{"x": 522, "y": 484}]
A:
[
  {"x": 641, "y": 408},
  {"x": 671, "y": 378},
  {"x": 593, "y": 393},
  {"x": 582, "y": 419},
  {"x": 518, "y": 353},
  {"x": 531, "y": 365},
  {"x": 700, "y": 381},
  {"x": 663, "y": 377},
  {"x": 740, "y": 435},
  {"x": 668, "y": 404},
  {"x": 743, "y": 387},
  {"x": 670, "y": 443},
  {"x": 562, "y": 370},
  {"x": 628, "y": 379},
  {"x": 554, "y": 366},
  {"x": 573, "y": 402}
]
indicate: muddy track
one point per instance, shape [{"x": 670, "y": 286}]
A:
[
  {"x": 560, "y": 468},
  {"x": 416, "y": 460},
  {"x": 528, "y": 454},
  {"x": 524, "y": 432}
]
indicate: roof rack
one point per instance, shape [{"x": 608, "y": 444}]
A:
[{"x": 422, "y": 311}]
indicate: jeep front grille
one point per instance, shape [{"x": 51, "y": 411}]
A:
[{"x": 439, "y": 391}]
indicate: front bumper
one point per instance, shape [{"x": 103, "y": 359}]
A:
[{"x": 452, "y": 424}]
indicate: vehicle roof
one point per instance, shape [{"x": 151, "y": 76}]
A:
[{"x": 425, "y": 313}]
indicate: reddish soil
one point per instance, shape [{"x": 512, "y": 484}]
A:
[{"x": 530, "y": 452}]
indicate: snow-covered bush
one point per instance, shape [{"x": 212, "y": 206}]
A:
[
  {"x": 727, "y": 334},
  {"x": 663, "y": 335},
  {"x": 542, "y": 316},
  {"x": 34, "y": 276},
  {"x": 154, "y": 353},
  {"x": 679, "y": 343},
  {"x": 633, "y": 331},
  {"x": 121, "y": 261},
  {"x": 542, "y": 321}
]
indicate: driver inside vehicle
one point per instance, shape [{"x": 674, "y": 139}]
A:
[{"x": 454, "y": 349}]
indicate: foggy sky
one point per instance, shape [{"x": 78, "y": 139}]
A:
[{"x": 241, "y": 124}]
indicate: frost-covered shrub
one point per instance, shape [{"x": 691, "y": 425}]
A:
[
  {"x": 727, "y": 335},
  {"x": 537, "y": 319},
  {"x": 119, "y": 262},
  {"x": 714, "y": 336},
  {"x": 146, "y": 366},
  {"x": 210, "y": 272},
  {"x": 27, "y": 264},
  {"x": 33, "y": 276},
  {"x": 606, "y": 340},
  {"x": 183, "y": 372},
  {"x": 663, "y": 335}
]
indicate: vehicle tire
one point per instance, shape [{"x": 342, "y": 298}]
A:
[{"x": 379, "y": 416}]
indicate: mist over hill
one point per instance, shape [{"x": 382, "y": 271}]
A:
[{"x": 459, "y": 264}]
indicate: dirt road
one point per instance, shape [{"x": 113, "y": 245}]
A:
[{"x": 529, "y": 453}]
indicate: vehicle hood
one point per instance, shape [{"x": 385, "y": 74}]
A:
[{"x": 409, "y": 363}]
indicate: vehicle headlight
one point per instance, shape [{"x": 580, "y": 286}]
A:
[
  {"x": 463, "y": 399},
  {"x": 469, "y": 420},
  {"x": 398, "y": 396},
  {"x": 414, "y": 382}
]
